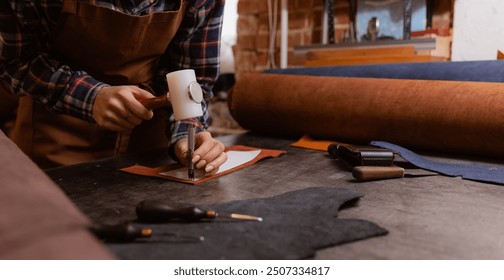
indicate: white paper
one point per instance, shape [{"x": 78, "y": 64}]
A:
[{"x": 235, "y": 158}]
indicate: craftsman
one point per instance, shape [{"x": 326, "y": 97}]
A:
[{"x": 73, "y": 74}]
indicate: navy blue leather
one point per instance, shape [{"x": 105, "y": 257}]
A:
[
  {"x": 477, "y": 71},
  {"x": 474, "y": 172}
]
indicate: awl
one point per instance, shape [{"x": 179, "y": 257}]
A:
[
  {"x": 370, "y": 173},
  {"x": 158, "y": 211}
]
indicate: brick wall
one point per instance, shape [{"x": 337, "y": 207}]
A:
[
  {"x": 253, "y": 30},
  {"x": 305, "y": 27}
]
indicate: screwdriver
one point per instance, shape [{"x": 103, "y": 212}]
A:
[
  {"x": 128, "y": 233},
  {"x": 121, "y": 232},
  {"x": 158, "y": 211}
]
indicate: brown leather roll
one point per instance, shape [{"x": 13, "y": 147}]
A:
[
  {"x": 446, "y": 116},
  {"x": 37, "y": 220}
]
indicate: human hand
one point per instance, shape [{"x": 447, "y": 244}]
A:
[
  {"x": 208, "y": 154},
  {"x": 118, "y": 107}
]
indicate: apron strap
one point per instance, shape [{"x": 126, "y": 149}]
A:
[{"x": 69, "y": 7}]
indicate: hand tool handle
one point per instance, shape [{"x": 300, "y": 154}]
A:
[
  {"x": 158, "y": 211},
  {"x": 121, "y": 232},
  {"x": 156, "y": 102},
  {"x": 333, "y": 150},
  {"x": 369, "y": 173}
]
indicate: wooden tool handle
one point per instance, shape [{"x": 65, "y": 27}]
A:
[
  {"x": 369, "y": 173},
  {"x": 156, "y": 102}
]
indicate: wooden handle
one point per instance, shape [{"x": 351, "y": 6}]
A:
[
  {"x": 369, "y": 173},
  {"x": 156, "y": 102}
]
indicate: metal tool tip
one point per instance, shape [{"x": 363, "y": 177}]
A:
[
  {"x": 146, "y": 232},
  {"x": 244, "y": 217}
]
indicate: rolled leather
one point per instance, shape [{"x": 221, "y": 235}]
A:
[
  {"x": 445, "y": 116},
  {"x": 37, "y": 220}
]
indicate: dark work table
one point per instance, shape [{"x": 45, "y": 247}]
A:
[{"x": 434, "y": 217}]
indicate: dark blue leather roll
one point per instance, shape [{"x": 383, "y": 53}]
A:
[{"x": 476, "y": 71}]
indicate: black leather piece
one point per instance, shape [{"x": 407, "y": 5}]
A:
[{"x": 295, "y": 225}]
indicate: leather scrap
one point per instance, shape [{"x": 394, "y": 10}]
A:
[
  {"x": 296, "y": 224},
  {"x": 154, "y": 171}
]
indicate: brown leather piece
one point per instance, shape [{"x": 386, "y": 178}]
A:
[
  {"x": 52, "y": 139},
  {"x": 114, "y": 47},
  {"x": 37, "y": 220},
  {"x": 8, "y": 108},
  {"x": 307, "y": 142},
  {"x": 154, "y": 172},
  {"x": 446, "y": 116}
]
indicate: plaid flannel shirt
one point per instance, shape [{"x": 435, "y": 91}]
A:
[{"x": 27, "y": 68}]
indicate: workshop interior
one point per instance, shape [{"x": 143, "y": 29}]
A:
[{"x": 353, "y": 129}]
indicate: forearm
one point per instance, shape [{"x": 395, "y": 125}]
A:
[
  {"x": 27, "y": 68},
  {"x": 197, "y": 46},
  {"x": 58, "y": 88},
  {"x": 179, "y": 129}
]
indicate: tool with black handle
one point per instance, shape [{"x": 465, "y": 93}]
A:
[
  {"x": 120, "y": 232},
  {"x": 128, "y": 232},
  {"x": 353, "y": 155},
  {"x": 159, "y": 211}
]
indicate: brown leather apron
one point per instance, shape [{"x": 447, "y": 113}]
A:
[
  {"x": 8, "y": 108},
  {"x": 115, "y": 48}
]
